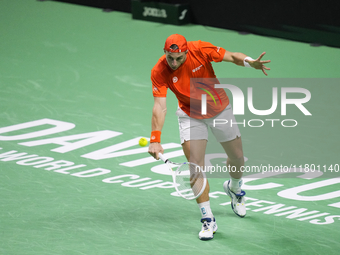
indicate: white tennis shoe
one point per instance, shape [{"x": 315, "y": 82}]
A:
[
  {"x": 237, "y": 200},
  {"x": 209, "y": 227}
]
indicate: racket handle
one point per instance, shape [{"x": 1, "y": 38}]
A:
[{"x": 161, "y": 156}]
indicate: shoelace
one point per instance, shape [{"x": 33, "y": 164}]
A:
[
  {"x": 205, "y": 225},
  {"x": 239, "y": 199}
]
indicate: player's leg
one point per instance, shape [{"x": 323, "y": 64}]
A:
[
  {"x": 233, "y": 187},
  {"x": 194, "y": 137},
  {"x": 235, "y": 161},
  {"x": 194, "y": 151},
  {"x": 230, "y": 138}
]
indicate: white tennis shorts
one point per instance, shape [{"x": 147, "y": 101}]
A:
[{"x": 223, "y": 126}]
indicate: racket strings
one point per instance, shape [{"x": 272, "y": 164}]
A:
[{"x": 190, "y": 179}]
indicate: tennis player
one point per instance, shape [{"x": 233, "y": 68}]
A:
[{"x": 182, "y": 61}]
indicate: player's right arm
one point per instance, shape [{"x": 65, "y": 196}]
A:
[{"x": 157, "y": 122}]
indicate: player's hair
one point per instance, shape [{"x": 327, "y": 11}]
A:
[{"x": 174, "y": 47}]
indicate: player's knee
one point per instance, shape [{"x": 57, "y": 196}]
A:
[
  {"x": 196, "y": 159},
  {"x": 237, "y": 159}
]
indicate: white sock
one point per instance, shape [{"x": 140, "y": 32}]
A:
[
  {"x": 205, "y": 210},
  {"x": 235, "y": 185}
]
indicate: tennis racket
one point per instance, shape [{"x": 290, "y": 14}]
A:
[{"x": 189, "y": 179}]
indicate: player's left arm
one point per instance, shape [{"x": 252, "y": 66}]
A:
[{"x": 239, "y": 58}]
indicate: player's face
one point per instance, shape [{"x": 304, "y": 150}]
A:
[{"x": 175, "y": 59}]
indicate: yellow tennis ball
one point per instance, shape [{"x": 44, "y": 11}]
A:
[{"x": 143, "y": 142}]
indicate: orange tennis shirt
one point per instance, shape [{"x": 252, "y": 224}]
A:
[{"x": 188, "y": 90}]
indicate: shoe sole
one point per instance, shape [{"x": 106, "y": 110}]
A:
[{"x": 206, "y": 238}]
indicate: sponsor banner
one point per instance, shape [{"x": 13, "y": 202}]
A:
[{"x": 176, "y": 14}]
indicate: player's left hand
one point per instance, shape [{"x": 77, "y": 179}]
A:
[{"x": 258, "y": 64}]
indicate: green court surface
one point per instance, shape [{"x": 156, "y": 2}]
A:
[{"x": 88, "y": 72}]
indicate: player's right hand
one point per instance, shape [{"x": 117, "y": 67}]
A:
[{"x": 155, "y": 149}]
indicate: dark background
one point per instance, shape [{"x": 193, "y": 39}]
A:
[{"x": 315, "y": 22}]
